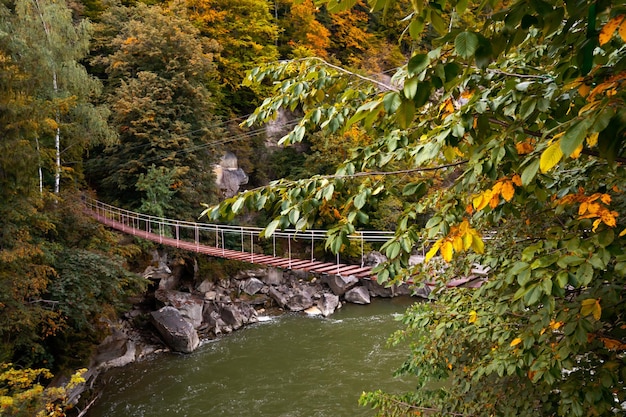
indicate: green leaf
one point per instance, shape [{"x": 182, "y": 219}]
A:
[
  {"x": 417, "y": 64},
  {"x": 238, "y": 204},
  {"x": 461, "y": 6},
  {"x": 438, "y": 23},
  {"x": 416, "y": 27},
  {"x": 271, "y": 228},
  {"x": 361, "y": 199},
  {"x": 413, "y": 188},
  {"x": 529, "y": 173},
  {"x": 466, "y": 44},
  {"x": 393, "y": 250},
  {"x": 392, "y": 101},
  {"x": 294, "y": 215},
  {"x": 574, "y": 136},
  {"x": 584, "y": 274},
  {"x": 405, "y": 113},
  {"x": 410, "y": 87}
]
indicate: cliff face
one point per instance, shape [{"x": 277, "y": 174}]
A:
[{"x": 228, "y": 176}]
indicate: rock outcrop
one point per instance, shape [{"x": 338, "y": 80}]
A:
[{"x": 177, "y": 332}]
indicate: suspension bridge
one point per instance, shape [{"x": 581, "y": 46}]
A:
[{"x": 241, "y": 243}]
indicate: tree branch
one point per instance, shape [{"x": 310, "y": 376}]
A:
[
  {"x": 362, "y": 77},
  {"x": 509, "y": 74}
]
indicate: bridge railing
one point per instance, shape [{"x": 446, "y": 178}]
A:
[{"x": 220, "y": 235}]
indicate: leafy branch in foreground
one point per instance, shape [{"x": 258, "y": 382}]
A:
[{"x": 528, "y": 96}]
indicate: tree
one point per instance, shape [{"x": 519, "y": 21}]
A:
[
  {"x": 47, "y": 45},
  {"x": 518, "y": 111},
  {"x": 247, "y": 35},
  {"x": 161, "y": 79}
]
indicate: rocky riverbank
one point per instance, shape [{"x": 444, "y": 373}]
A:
[{"x": 177, "y": 314}]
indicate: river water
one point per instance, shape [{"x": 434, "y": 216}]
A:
[{"x": 286, "y": 366}]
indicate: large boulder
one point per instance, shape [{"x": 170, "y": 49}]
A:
[
  {"x": 231, "y": 315},
  {"x": 327, "y": 304},
  {"x": 299, "y": 301},
  {"x": 340, "y": 284},
  {"x": 252, "y": 286},
  {"x": 178, "y": 333},
  {"x": 378, "y": 290},
  {"x": 189, "y": 305},
  {"x": 279, "y": 297},
  {"x": 358, "y": 295}
]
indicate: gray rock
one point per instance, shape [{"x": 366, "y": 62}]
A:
[
  {"x": 278, "y": 296},
  {"x": 378, "y": 290},
  {"x": 189, "y": 305},
  {"x": 273, "y": 276},
  {"x": 177, "y": 332},
  {"x": 231, "y": 315},
  {"x": 252, "y": 286},
  {"x": 206, "y": 286},
  {"x": 339, "y": 284},
  {"x": 374, "y": 258},
  {"x": 422, "y": 292},
  {"x": 327, "y": 304},
  {"x": 299, "y": 301},
  {"x": 358, "y": 295}
]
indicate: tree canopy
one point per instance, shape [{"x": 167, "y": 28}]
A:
[{"x": 506, "y": 129}]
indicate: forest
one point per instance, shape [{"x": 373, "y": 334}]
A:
[{"x": 482, "y": 132}]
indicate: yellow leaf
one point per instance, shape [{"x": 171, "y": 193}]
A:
[
  {"x": 457, "y": 244},
  {"x": 516, "y": 341},
  {"x": 622, "y": 30},
  {"x": 433, "y": 250},
  {"x": 473, "y": 316},
  {"x": 583, "y": 208},
  {"x": 597, "y": 310},
  {"x": 508, "y": 190},
  {"x": 481, "y": 200},
  {"x": 623, "y": 233},
  {"x": 596, "y": 223},
  {"x": 477, "y": 244},
  {"x": 588, "y": 306},
  {"x": 550, "y": 157},
  {"x": 555, "y": 325},
  {"x": 593, "y": 208},
  {"x": 609, "y": 28},
  {"x": 446, "y": 251},
  {"x": 468, "y": 239},
  {"x": 577, "y": 152},
  {"x": 592, "y": 140}
]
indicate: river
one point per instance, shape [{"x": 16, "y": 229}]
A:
[{"x": 285, "y": 366}]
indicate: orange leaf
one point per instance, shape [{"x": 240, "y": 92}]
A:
[
  {"x": 622, "y": 30},
  {"x": 577, "y": 152},
  {"x": 517, "y": 180},
  {"x": 495, "y": 200},
  {"x": 583, "y": 90},
  {"x": 609, "y": 28},
  {"x": 508, "y": 190}
]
